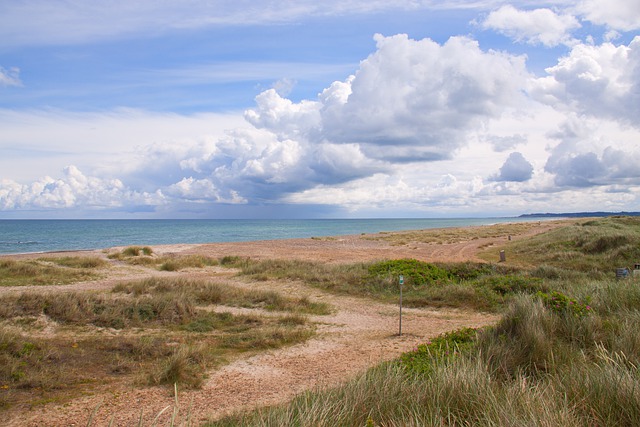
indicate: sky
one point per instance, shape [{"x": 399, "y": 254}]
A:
[{"x": 306, "y": 109}]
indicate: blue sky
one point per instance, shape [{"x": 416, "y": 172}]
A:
[{"x": 220, "y": 109}]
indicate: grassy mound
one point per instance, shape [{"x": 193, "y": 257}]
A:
[{"x": 50, "y": 271}]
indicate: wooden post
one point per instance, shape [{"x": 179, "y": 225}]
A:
[{"x": 503, "y": 257}]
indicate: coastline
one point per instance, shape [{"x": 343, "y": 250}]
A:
[
  {"x": 462, "y": 244},
  {"x": 359, "y": 333},
  {"x": 46, "y": 236}
]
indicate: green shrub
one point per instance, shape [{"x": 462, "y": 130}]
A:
[
  {"x": 510, "y": 284},
  {"x": 415, "y": 272},
  {"x": 562, "y": 304},
  {"x": 469, "y": 270},
  {"x": 442, "y": 349}
]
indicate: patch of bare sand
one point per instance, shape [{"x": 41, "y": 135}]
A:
[
  {"x": 359, "y": 334},
  {"x": 369, "y": 247}
]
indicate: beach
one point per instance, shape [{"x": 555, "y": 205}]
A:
[{"x": 359, "y": 332}]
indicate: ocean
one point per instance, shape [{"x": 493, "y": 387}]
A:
[{"x": 27, "y": 236}]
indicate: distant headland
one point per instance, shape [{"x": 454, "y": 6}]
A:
[{"x": 578, "y": 214}]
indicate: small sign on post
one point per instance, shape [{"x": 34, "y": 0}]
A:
[{"x": 401, "y": 282}]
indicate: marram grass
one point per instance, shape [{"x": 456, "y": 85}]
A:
[{"x": 534, "y": 368}]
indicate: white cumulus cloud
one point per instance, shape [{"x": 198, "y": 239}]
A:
[
  {"x": 203, "y": 190},
  {"x": 417, "y": 100},
  {"x": 623, "y": 15},
  {"x": 602, "y": 81},
  {"x": 73, "y": 190},
  {"x": 410, "y": 101},
  {"x": 284, "y": 117},
  {"x": 538, "y": 26}
]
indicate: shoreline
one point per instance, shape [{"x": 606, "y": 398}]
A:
[
  {"x": 103, "y": 237},
  {"x": 446, "y": 244}
]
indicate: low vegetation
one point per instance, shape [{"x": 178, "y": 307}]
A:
[
  {"x": 154, "y": 331},
  {"x": 49, "y": 270},
  {"x": 587, "y": 248},
  {"x": 145, "y": 256},
  {"x": 566, "y": 351},
  {"x": 475, "y": 286},
  {"x": 454, "y": 235},
  {"x": 202, "y": 292}
]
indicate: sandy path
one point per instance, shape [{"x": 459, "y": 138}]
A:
[{"x": 359, "y": 334}]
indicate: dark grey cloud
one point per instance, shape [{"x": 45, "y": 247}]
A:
[
  {"x": 585, "y": 158},
  {"x": 516, "y": 168},
  {"x": 579, "y": 170}
]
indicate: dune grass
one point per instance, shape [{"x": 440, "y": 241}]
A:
[
  {"x": 468, "y": 285},
  {"x": 587, "y": 248},
  {"x": 453, "y": 235},
  {"x": 538, "y": 366},
  {"x": 136, "y": 255},
  {"x": 203, "y": 292},
  {"x": 49, "y": 270},
  {"x": 166, "y": 333},
  {"x": 568, "y": 354}
]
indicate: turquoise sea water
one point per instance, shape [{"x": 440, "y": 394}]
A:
[{"x": 22, "y": 236}]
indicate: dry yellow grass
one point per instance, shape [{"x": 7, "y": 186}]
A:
[{"x": 455, "y": 235}]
